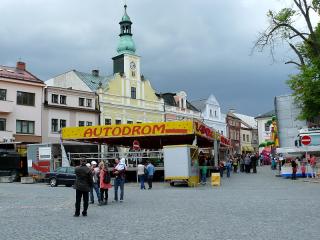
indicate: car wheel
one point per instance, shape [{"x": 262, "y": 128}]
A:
[{"x": 53, "y": 182}]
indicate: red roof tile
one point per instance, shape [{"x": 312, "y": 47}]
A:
[{"x": 16, "y": 74}]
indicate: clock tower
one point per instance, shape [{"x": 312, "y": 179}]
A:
[{"x": 126, "y": 62}]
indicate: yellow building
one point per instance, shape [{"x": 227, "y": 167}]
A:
[{"x": 125, "y": 96}]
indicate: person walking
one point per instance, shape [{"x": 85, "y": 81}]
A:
[
  {"x": 241, "y": 163},
  {"x": 151, "y": 169},
  {"x": 83, "y": 183},
  {"x": 294, "y": 169},
  {"x": 204, "y": 172},
  {"x": 228, "y": 167},
  {"x": 235, "y": 164},
  {"x": 313, "y": 164},
  {"x": 221, "y": 168},
  {"x": 119, "y": 173},
  {"x": 105, "y": 184},
  {"x": 247, "y": 163},
  {"x": 96, "y": 184},
  {"x": 141, "y": 175},
  {"x": 254, "y": 162}
]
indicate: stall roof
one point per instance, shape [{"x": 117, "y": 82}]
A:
[{"x": 149, "y": 135}]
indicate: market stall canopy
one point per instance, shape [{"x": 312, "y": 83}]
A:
[{"x": 150, "y": 135}]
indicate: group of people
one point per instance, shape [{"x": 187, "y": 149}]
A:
[
  {"x": 146, "y": 172},
  {"x": 94, "y": 177},
  {"x": 245, "y": 161},
  {"x": 303, "y": 163}
]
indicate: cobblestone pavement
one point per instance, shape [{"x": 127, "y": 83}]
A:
[{"x": 246, "y": 206}]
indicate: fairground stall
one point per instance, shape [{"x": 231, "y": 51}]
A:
[{"x": 176, "y": 144}]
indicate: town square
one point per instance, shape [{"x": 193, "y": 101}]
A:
[{"x": 125, "y": 119}]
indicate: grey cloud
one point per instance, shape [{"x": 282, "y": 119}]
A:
[{"x": 202, "y": 46}]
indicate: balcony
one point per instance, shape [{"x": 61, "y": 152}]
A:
[{"x": 6, "y": 106}]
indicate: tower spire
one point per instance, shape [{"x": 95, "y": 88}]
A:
[{"x": 126, "y": 43}]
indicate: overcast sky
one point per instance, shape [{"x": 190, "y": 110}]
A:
[{"x": 199, "y": 46}]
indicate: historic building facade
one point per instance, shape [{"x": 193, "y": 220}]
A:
[{"x": 211, "y": 114}]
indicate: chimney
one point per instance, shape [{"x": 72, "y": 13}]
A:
[
  {"x": 95, "y": 73},
  {"x": 21, "y": 66}
]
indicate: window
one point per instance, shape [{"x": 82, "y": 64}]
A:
[
  {"x": 107, "y": 121},
  {"x": 129, "y": 122},
  {"x": 81, "y": 102},
  {"x": 63, "y": 123},
  {"x": 25, "y": 127},
  {"x": 61, "y": 170},
  {"x": 24, "y": 98},
  {"x": 248, "y": 140},
  {"x": 133, "y": 93},
  {"x": 244, "y": 137},
  {"x": 139, "y": 122},
  {"x": 267, "y": 127},
  {"x": 89, "y": 123},
  {"x": 63, "y": 99},
  {"x": 89, "y": 102},
  {"x": 133, "y": 73},
  {"x": 54, "y": 125},
  {"x": 54, "y": 98},
  {"x": 215, "y": 113},
  {"x": 2, "y": 124},
  {"x": 118, "y": 121},
  {"x": 3, "y": 94},
  {"x": 81, "y": 123},
  {"x": 211, "y": 113}
]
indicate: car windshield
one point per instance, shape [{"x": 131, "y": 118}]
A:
[
  {"x": 61, "y": 170},
  {"x": 70, "y": 170}
]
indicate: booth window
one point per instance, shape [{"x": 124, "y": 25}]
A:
[
  {"x": 118, "y": 121},
  {"x": 107, "y": 121},
  {"x": 129, "y": 122},
  {"x": 89, "y": 123},
  {"x": 81, "y": 123}
]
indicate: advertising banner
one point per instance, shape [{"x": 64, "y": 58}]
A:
[{"x": 128, "y": 130}]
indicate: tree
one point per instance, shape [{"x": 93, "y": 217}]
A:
[{"x": 306, "y": 46}]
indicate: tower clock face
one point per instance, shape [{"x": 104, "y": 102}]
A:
[{"x": 132, "y": 65}]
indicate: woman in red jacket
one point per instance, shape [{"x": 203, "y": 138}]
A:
[{"x": 104, "y": 183}]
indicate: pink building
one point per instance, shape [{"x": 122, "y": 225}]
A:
[{"x": 21, "y": 98}]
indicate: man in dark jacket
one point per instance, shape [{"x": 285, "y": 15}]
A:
[
  {"x": 254, "y": 161},
  {"x": 83, "y": 185}
]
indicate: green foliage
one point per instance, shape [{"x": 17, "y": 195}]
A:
[{"x": 285, "y": 15}]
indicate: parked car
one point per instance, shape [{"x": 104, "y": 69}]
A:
[{"x": 62, "y": 176}]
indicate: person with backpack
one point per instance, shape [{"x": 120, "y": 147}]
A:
[{"x": 105, "y": 184}]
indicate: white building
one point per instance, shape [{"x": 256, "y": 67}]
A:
[
  {"x": 211, "y": 114},
  {"x": 66, "y": 107},
  {"x": 264, "y": 127},
  {"x": 21, "y": 98},
  {"x": 248, "y": 133}
]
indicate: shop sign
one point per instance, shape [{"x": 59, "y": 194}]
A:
[
  {"x": 128, "y": 130},
  {"x": 225, "y": 140},
  {"x": 203, "y": 130}
]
